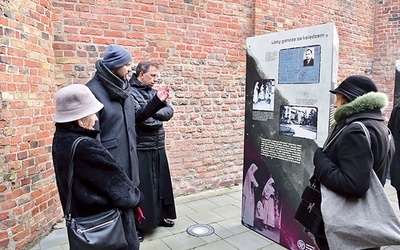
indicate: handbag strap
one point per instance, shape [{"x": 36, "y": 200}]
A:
[
  {"x": 70, "y": 177},
  {"x": 313, "y": 179},
  {"x": 333, "y": 138},
  {"x": 367, "y": 134},
  {"x": 366, "y": 131},
  {"x": 369, "y": 140}
]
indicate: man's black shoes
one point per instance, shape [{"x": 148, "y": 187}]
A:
[
  {"x": 140, "y": 236},
  {"x": 166, "y": 223}
]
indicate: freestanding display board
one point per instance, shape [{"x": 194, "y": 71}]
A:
[{"x": 288, "y": 112}]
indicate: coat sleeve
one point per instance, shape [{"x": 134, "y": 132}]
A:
[
  {"x": 149, "y": 110},
  {"x": 98, "y": 169},
  {"x": 165, "y": 113},
  {"x": 142, "y": 107},
  {"x": 151, "y": 123},
  {"x": 349, "y": 175}
]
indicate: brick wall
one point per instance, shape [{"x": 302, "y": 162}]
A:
[
  {"x": 201, "y": 51},
  {"x": 386, "y": 45},
  {"x": 200, "y": 46},
  {"x": 28, "y": 195}
]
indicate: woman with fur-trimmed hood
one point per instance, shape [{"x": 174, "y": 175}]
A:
[{"x": 345, "y": 166}]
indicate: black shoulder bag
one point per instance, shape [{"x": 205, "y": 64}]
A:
[
  {"x": 103, "y": 231},
  {"x": 308, "y": 213}
]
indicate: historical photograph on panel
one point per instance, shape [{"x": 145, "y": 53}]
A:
[
  {"x": 300, "y": 65},
  {"x": 298, "y": 121},
  {"x": 261, "y": 205},
  {"x": 263, "y": 95}
]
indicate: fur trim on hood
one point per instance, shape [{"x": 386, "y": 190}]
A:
[{"x": 369, "y": 101}]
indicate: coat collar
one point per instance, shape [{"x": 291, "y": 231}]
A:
[
  {"x": 368, "y": 102},
  {"x": 73, "y": 127},
  {"x": 134, "y": 82}
]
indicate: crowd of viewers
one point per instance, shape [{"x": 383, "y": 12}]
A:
[
  {"x": 121, "y": 120},
  {"x": 122, "y": 161}
]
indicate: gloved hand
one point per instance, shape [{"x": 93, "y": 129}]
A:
[
  {"x": 139, "y": 216},
  {"x": 321, "y": 162},
  {"x": 319, "y": 156}
]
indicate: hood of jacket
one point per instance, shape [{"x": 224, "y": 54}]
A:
[{"x": 369, "y": 101}]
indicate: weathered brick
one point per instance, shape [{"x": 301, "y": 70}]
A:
[
  {"x": 4, "y": 243},
  {"x": 21, "y": 234},
  {"x": 3, "y": 216},
  {"x": 196, "y": 45}
]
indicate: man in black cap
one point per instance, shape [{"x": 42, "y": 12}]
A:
[
  {"x": 118, "y": 118},
  {"x": 345, "y": 166}
]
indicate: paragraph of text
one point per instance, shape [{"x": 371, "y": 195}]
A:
[{"x": 281, "y": 150}]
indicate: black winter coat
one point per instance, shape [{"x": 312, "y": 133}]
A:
[
  {"x": 150, "y": 133},
  {"x": 394, "y": 125},
  {"x": 155, "y": 178},
  {"x": 99, "y": 183},
  {"x": 345, "y": 166},
  {"x": 118, "y": 118}
]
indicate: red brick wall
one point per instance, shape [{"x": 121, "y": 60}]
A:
[
  {"x": 386, "y": 45},
  {"x": 200, "y": 46},
  {"x": 29, "y": 205},
  {"x": 201, "y": 51}
]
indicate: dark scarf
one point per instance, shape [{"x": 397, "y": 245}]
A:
[{"x": 115, "y": 86}]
